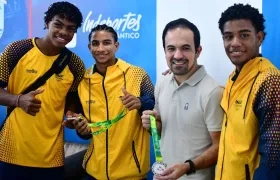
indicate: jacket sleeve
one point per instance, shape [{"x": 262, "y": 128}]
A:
[
  {"x": 10, "y": 57},
  {"x": 267, "y": 110},
  {"x": 147, "y": 94}
]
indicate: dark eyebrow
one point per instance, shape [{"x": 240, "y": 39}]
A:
[
  {"x": 71, "y": 26},
  {"x": 106, "y": 40},
  {"x": 94, "y": 41},
  {"x": 245, "y": 30},
  {"x": 241, "y": 31},
  {"x": 187, "y": 45},
  {"x": 227, "y": 32},
  {"x": 59, "y": 21},
  {"x": 184, "y": 45},
  {"x": 170, "y": 46}
]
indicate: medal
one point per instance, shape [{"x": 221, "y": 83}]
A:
[{"x": 158, "y": 167}]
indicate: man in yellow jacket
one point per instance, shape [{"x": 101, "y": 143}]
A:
[
  {"x": 113, "y": 95},
  {"x": 249, "y": 145}
]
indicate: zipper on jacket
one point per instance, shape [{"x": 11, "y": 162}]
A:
[
  {"x": 135, "y": 157},
  {"x": 107, "y": 111},
  {"x": 247, "y": 172},
  {"x": 89, "y": 98},
  {"x": 225, "y": 130},
  {"x": 224, "y": 148}
]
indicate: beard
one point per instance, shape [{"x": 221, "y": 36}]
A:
[{"x": 179, "y": 66}]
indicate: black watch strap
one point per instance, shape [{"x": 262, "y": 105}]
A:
[{"x": 192, "y": 167}]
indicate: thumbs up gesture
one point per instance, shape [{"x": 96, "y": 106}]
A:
[
  {"x": 129, "y": 101},
  {"x": 29, "y": 103}
]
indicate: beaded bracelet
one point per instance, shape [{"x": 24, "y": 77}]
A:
[{"x": 17, "y": 101}]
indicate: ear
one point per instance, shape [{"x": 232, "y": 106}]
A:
[
  {"x": 117, "y": 44},
  {"x": 46, "y": 26},
  {"x": 198, "y": 51},
  {"x": 260, "y": 36},
  {"x": 89, "y": 46}
]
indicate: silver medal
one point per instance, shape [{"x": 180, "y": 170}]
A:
[{"x": 158, "y": 168}]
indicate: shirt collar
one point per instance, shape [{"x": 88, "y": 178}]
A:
[{"x": 196, "y": 77}]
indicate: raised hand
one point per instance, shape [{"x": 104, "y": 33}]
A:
[
  {"x": 130, "y": 101},
  {"x": 29, "y": 103}
]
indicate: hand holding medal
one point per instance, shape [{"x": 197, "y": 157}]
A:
[{"x": 158, "y": 166}]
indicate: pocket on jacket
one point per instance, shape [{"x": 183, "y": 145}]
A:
[{"x": 135, "y": 157}]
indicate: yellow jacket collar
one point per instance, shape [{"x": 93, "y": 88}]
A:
[
  {"x": 251, "y": 69},
  {"x": 119, "y": 66}
]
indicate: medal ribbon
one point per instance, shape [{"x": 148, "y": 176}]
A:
[
  {"x": 107, "y": 124},
  {"x": 156, "y": 138}
]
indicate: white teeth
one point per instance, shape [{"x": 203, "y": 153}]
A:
[
  {"x": 178, "y": 62},
  {"x": 61, "y": 39},
  {"x": 236, "y": 52}
]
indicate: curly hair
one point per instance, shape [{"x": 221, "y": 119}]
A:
[
  {"x": 182, "y": 23},
  {"x": 104, "y": 27},
  {"x": 241, "y": 11},
  {"x": 65, "y": 10}
]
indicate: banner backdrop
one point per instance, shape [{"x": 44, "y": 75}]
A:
[
  {"x": 13, "y": 21},
  {"x": 133, "y": 20},
  {"x": 271, "y": 43}
]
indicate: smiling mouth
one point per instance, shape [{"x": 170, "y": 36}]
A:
[
  {"x": 61, "y": 39},
  {"x": 236, "y": 52},
  {"x": 179, "y": 62},
  {"x": 101, "y": 55}
]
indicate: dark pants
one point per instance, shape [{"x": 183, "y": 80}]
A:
[
  {"x": 15, "y": 172},
  {"x": 73, "y": 166}
]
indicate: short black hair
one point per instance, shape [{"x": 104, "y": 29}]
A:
[
  {"x": 183, "y": 23},
  {"x": 104, "y": 27},
  {"x": 66, "y": 10},
  {"x": 241, "y": 11}
]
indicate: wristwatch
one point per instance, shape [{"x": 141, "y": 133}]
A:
[{"x": 192, "y": 167}]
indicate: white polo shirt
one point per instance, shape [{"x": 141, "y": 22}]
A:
[{"x": 188, "y": 113}]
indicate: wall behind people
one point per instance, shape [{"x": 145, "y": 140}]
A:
[
  {"x": 139, "y": 25},
  {"x": 205, "y": 15},
  {"x": 272, "y": 42}
]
